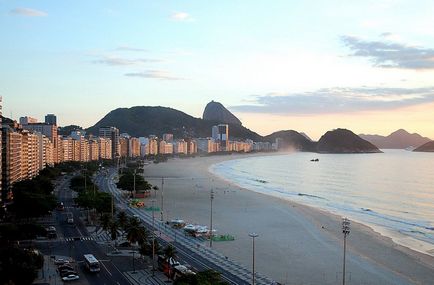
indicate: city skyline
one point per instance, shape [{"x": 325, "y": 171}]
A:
[{"x": 311, "y": 66}]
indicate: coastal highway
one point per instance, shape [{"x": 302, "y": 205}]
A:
[
  {"x": 189, "y": 250},
  {"x": 76, "y": 242}
]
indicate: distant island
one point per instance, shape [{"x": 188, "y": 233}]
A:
[
  {"x": 428, "y": 147},
  {"x": 400, "y": 139},
  {"x": 156, "y": 120},
  {"x": 344, "y": 141}
]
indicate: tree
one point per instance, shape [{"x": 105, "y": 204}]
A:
[
  {"x": 18, "y": 266},
  {"x": 33, "y": 198},
  {"x": 169, "y": 251},
  {"x": 123, "y": 221},
  {"x": 136, "y": 232},
  {"x": 113, "y": 229},
  {"x": 126, "y": 182},
  {"x": 105, "y": 221},
  {"x": 209, "y": 277}
]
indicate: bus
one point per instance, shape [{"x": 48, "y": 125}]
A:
[{"x": 92, "y": 264}]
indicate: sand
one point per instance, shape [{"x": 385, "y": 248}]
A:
[{"x": 297, "y": 244}]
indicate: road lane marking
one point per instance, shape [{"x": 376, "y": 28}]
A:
[{"x": 106, "y": 269}]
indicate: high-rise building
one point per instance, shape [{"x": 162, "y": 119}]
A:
[
  {"x": 134, "y": 147},
  {"x": 165, "y": 148},
  {"x": 27, "y": 120},
  {"x": 123, "y": 144},
  {"x": 29, "y": 155},
  {"x": 93, "y": 149},
  {"x": 105, "y": 148},
  {"x": 223, "y": 136},
  {"x": 1, "y": 151},
  {"x": 48, "y": 130},
  {"x": 180, "y": 147},
  {"x": 51, "y": 119},
  {"x": 11, "y": 160},
  {"x": 168, "y": 138},
  {"x": 111, "y": 133},
  {"x": 215, "y": 132}
]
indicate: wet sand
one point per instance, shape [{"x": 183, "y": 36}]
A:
[{"x": 297, "y": 244}]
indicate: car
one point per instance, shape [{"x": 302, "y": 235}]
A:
[
  {"x": 60, "y": 261},
  {"x": 70, "y": 277},
  {"x": 67, "y": 272},
  {"x": 65, "y": 266}
]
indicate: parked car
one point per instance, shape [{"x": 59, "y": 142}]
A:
[
  {"x": 60, "y": 261},
  {"x": 65, "y": 266},
  {"x": 70, "y": 277},
  {"x": 67, "y": 272}
]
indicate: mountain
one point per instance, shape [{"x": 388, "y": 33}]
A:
[
  {"x": 292, "y": 139},
  {"x": 428, "y": 147},
  {"x": 144, "y": 120},
  {"x": 215, "y": 111},
  {"x": 66, "y": 130},
  {"x": 344, "y": 141},
  {"x": 399, "y": 139}
]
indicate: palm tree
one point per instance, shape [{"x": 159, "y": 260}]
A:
[
  {"x": 169, "y": 251},
  {"x": 123, "y": 221},
  {"x": 114, "y": 230},
  {"x": 105, "y": 221},
  {"x": 136, "y": 232}
]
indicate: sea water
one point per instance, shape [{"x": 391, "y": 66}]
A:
[{"x": 393, "y": 192}]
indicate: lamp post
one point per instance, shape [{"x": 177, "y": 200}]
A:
[
  {"x": 153, "y": 239},
  {"x": 162, "y": 198},
  {"x": 345, "y": 231},
  {"x": 134, "y": 265},
  {"x": 253, "y": 236},
  {"x": 210, "y": 230},
  {"x": 134, "y": 187}
]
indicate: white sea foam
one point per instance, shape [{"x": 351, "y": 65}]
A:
[{"x": 392, "y": 192}]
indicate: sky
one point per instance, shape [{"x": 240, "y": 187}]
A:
[{"x": 310, "y": 66}]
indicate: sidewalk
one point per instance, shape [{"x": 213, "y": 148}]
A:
[
  {"x": 48, "y": 274},
  {"x": 139, "y": 277}
]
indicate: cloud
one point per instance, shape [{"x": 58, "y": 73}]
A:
[
  {"x": 157, "y": 74},
  {"x": 338, "y": 100},
  {"x": 181, "y": 16},
  {"x": 128, "y": 48},
  {"x": 117, "y": 61},
  {"x": 391, "y": 54},
  {"x": 27, "y": 12}
]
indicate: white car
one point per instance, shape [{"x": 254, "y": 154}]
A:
[{"x": 70, "y": 277}]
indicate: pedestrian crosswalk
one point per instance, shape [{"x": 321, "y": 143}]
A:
[
  {"x": 102, "y": 236},
  {"x": 71, "y": 239}
]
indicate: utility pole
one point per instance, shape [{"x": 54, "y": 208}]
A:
[
  {"x": 345, "y": 231},
  {"x": 113, "y": 206},
  {"x": 210, "y": 230},
  {"x": 153, "y": 239},
  {"x": 253, "y": 236},
  {"x": 162, "y": 199},
  {"x": 134, "y": 189}
]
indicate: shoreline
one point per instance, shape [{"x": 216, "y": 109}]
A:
[
  {"x": 407, "y": 242},
  {"x": 314, "y": 237}
]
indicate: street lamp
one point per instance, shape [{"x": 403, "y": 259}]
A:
[
  {"x": 134, "y": 187},
  {"x": 211, "y": 233},
  {"x": 253, "y": 236},
  {"x": 346, "y": 231},
  {"x": 153, "y": 239},
  {"x": 162, "y": 198}
]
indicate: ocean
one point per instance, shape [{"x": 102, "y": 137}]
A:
[{"x": 392, "y": 192}]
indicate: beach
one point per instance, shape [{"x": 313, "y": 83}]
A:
[{"x": 297, "y": 244}]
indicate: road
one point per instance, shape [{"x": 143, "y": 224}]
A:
[
  {"x": 80, "y": 243},
  {"x": 189, "y": 249}
]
